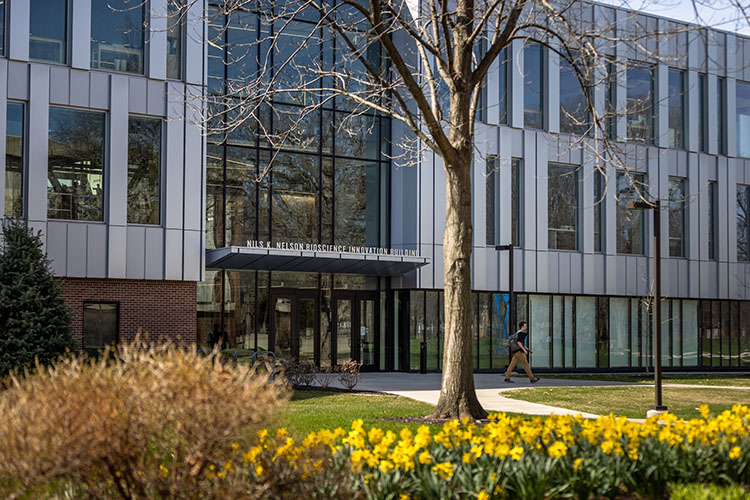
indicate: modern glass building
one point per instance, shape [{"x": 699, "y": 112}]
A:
[{"x": 337, "y": 252}]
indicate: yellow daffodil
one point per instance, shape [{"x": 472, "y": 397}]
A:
[
  {"x": 443, "y": 469},
  {"x": 735, "y": 453}
]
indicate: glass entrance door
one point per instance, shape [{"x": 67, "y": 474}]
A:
[
  {"x": 355, "y": 325},
  {"x": 293, "y": 321}
]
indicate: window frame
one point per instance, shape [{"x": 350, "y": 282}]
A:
[
  {"x": 83, "y": 321},
  {"x": 683, "y": 215},
  {"x": 144, "y": 54},
  {"x": 67, "y": 54},
  {"x": 746, "y": 191},
  {"x": 712, "y": 221},
  {"x": 643, "y": 179},
  {"x": 573, "y": 171},
  {"x": 162, "y": 156},
  {"x": 632, "y": 64},
  {"x": 682, "y": 100},
  {"x": 583, "y": 128},
  {"x": 24, "y": 152},
  {"x": 542, "y": 83}
]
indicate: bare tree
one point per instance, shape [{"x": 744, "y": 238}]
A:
[{"x": 425, "y": 65}]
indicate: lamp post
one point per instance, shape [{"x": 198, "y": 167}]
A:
[
  {"x": 511, "y": 293},
  {"x": 658, "y": 407}
]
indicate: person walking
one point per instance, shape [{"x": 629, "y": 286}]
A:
[{"x": 518, "y": 352}]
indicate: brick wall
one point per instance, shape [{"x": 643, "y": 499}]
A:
[{"x": 165, "y": 309}]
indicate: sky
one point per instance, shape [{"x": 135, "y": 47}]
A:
[{"x": 721, "y": 14}]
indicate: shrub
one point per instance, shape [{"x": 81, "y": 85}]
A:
[
  {"x": 34, "y": 320},
  {"x": 323, "y": 377},
  {"x": 349, "y": 374},
  {"x": 138, "y": 422},
  {"x": 706, "y": 492}
]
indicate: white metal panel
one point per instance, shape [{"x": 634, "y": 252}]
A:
[
  {"x": 19, "y": 22},
  {"x": 38, "y": 116}
]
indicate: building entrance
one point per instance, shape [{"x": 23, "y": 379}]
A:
[
  {"x": 294, "y": 323},
  {"x": 355, "y": 317}
]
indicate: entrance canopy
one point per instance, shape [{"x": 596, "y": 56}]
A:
[{"x": 237, "y": 258}]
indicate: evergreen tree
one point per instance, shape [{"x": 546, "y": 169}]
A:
[{"x": 34, "y": 320}]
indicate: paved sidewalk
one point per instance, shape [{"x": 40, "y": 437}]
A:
[{"x": 426, "y": 388}]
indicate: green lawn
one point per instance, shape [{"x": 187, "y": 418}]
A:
[
  {"x": 313, "y": 410},
  {"x": 725, "y": 379},
  {"x": 633, "y": 401}
]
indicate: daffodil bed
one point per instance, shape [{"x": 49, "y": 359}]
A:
[{"x": 509, "y": 457}]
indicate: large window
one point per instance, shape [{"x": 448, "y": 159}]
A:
[
  {"x": 533, "y": 88},
  {"x": 676, "y": 108},
  {"x": 48, "y": 30},
  {"x": 100, "y": 324},
  {"x": 491, "y": 204},
  {"x": 599, "y": 182},
  {"x": 144, "y": 169},
  {"x": 516, "y": 214},
  {"x": 640, "y": 102},
  {"x": 14, "y": 149},
  {"x": 743, "y": 225},
  {"x": 175, "y": 14},
  {"x": 712, "y": 222},
  {"x": 743, "y": 119},
  {"x": 75, "y": 184},
  {"x": 631, "y": 186},
  {"x": 677, "y": 216},
  {"x": 573, "y": 108},
  {"x": 117, "y": 29},
  {"x": 562, "y": 207}
]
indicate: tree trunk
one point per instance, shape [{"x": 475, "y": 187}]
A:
[{"x": 458, "y": 398}]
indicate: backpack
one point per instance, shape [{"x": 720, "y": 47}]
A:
[{"x": 513, "y": 343}]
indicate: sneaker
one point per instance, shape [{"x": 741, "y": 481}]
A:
[
  {"x": 509, "y": 381},
  {"x": 535, "y": 380}
]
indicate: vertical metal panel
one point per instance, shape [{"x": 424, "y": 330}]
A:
[
  {"x": 157, "y": 35},
  {"x": 3, "y": 121},
  {"x": 730, "y": 167},
  {"x": 590, "y": 272},
  {"x": 644, "y": 266},
  {"x": 426, "y": 204},
  {"x": 116, "y": 251},
  {"x": 439, "y": 200},
  {"x": 621, "y": 278},
  {"x": 586, "y": 203},
  {"x": 59, "y": 85},
  {"x": 503, "y": 270},
  {"x": 38, "y": 117},
  {"x": 117, "y": 203},
  {"x": 693, "y": 101},
  {"x": 173, "y": 254},
  {"x": 174, "y": 166},
  {"x": 711, "y": 131},
  {"x": 76, "y": 251},
  {"x": 621, "y": 75},
  {"x": 695, "y": 239},
  {"x": 137, "y": 95},
  {"x": 503, "y": 187},
  {"x": 154, "y": 253},
  {"x": 672, "y": 287},
  {"x": 18, "y": 80},
  {"x": 99, "y": 90},
  {"x": 725, "y": 213},
  {"x": 194, "y": 174},
  {"x": 633, "y": 276},
  {"x": 730, "y": 49},
  {"x": 157, "y": 104},
  {"x": 704, "y": 281},
  {"x": 478, "y": 270},
  {"x": 529, "y": 269},
  {"x": 574, "y": 275},
  {"x": 694, "y": 279},
  {"x": 662, "y": 106},
  {"x": 609, "y": 214},
  {"x": 557, "y": 264},
  {"x": 192, "y": 255},
  {"x": 136, "y": 253},
  {"x": 723, "y": 284},
  {"x": 493, "y": 87},
  {"x": 437, "y": 263},
  {"x": 528, "y": 188},
  {"x": 80, "y": 34},
  {"x": 552, "y": 111},
  {"x": 79, "y": 88},
  {"x": 426, "y": 272},
  {"x": 19, "y": 12},
  {"x": 515, "y": 99},
  {"x": 96, "y": 251},
  {"x": 57, "y": 247},
  {"x": 194, "y": 47}
]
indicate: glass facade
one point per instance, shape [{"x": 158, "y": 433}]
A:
[
  {"x": 75, "y": 175},
  {"x": 574, "y": 116},
  {"x": 144, "y": 169},
  {"x": 117, "y": 35},
  {"x": 743, "y": 225},
  {"x": 743, "y": 119},
  {"x": 677, "y": 225},
  {"x": 15, "y": 128},
  {"x": 640, "y": 102},
  {"x": 676, "y": 105},
  {"x": 48, "y": 31},
  {"x": 563, "y": 214},
  {"x": 533, "y": 86},
  {"x": 630, "y": 223}
]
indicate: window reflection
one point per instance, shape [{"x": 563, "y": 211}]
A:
[
  {"x": 356, "y": 203},
  {"x": 214, "y": 197},
  {"x": 175, "y": 16},
  {"x": 241, "y": 203},
  {"x": 573, "y": 108},
  {"x": 117, "y": 28},
  {"x": 743, "y": 119},
  {"x": 563, "y": 207},
  {"x": 294, "y": 210},
  {"x": 14, "y": 159},
  {"x": 677, "y": 217},
  {"x": 100, "y": 324},
  {"x": 743, "y": 227},
  {"x": 47, "y": 33},
  {"x": 630, "y": 227},
  {"x": 357, "y": 136},
  {"x": 640, "y": 102},
  {"x": 144, "y": 169},
  {"x": 676, "y": 108},
  {"x": 533, "y": 94},
  {"x": 75, "y": 188}
]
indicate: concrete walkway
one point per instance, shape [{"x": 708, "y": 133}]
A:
[{"x": 489, "y": 386}]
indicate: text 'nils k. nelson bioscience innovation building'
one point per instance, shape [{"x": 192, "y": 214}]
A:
[{"x": 151, "y": 224}]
